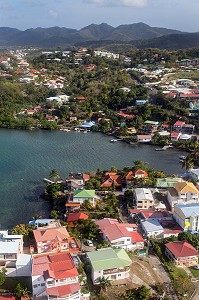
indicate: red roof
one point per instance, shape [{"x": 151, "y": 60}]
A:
[
  {"x": 179, "y": 123},
  {"x": 57, "y": 266},
  {"x": 141, "y": 172},
  {"x": 76, "y": 217},
  {"x": 175, "y": 134},
  {"x": 189, "y": 95},
  {"x": 121, "y": 114},
  {"x": 181, "y": 249},
  {"x": 129, "y": 175},
  {"x": 63, "y": 290},
  {"x": 86, "y": 177},
  {"x": 110, "y": 179},
  {"x": 136, "y": 238}
]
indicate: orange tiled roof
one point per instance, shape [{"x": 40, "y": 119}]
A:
[{"x": 49, "y": 234}]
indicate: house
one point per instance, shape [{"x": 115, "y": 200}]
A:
[
  {"x": 178, "y": 126},
  {"x": 182, "y": 253},
  {"x": 55, "y": 276},
  {"x": 76, "y": 180},
  {"x": 135, "y": 174},
  {"x": 11, "y": 255},
  {"x": 167, "y": 182},
  {"x": 141, "y": 102},
  {"x": 113, "y": 264},
  {"x": 194, "y": 174},
  {"x": 151, "y": 126},
  {"x": 144, "y": 198},
  {"x": 141, "y": 138},
  {"x": 140, "y": 174},
  {"x": 80, "y": 196},
  {"x": 182, "y": 192},
  {"x": 74, "y": 217},
  {"x": 51, "y": 239},
  {"x": 120, "y": 235},
  {"x": 175, "y": 135},
  {"x": 187, "y": 216},
  {"x": 111, "y": 179},
  {"x": 152, "y": 228}
]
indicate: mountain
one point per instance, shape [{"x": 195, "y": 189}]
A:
[
  {"x": 172, "y": 41},
  {"x": 61, "y": 36}
]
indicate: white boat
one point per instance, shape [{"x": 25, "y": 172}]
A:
[
  {"x": 113, "y": 140},
  {"x": 182, "y": 157}
]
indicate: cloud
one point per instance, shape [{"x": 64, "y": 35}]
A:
[
  {"x": 52, "y": 13},
  {"x": 132, "y": 3}
]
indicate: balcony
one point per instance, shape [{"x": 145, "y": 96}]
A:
[{"x": 114, "y": 271}]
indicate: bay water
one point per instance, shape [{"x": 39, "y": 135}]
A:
[{"x": 26, "y": 157}]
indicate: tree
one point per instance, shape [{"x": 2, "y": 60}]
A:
[
  {"x": 21, "y": 291},
  {"x": 3, "y": 272},
  {"x": 187, "y": 163},
  {"x": 54, "y": 174},
  {"x": 104, "y": 282},
  {"x": 143, "y": 293}
]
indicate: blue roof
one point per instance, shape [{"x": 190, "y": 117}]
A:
[{"x": 189, "y": 209}]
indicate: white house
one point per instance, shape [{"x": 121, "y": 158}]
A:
[
  {"x": 55, "y": 276},
  {"x": 11, "y": 255},
  {"x": 144, "y": 198},
  {"x": 182, "y": 192},
  {"x": 187, "y": 216},
  {"x": 152, "y": 228},
  {"x": 144, "y": 138},
  {"x": 113, "y": 264},
  {"x": 120, "y": 235}
]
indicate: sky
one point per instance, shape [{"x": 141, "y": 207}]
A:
[{"x": 76, "y": 14}]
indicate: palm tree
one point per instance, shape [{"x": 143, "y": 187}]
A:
[
  {"x": 54, "y": 174},
  {"x": 104, "y": 283},
  {"x": 21, "y": 291},
  {"x": 187, "y": 163}
]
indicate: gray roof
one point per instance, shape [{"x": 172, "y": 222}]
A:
[
  {"x": 142, "y": 194},
  {"x": 24, "y": 260},
  {"x": 151, "y": 225},
  {"x": 195, "y": 171},
  {"x": 9, "y": 247},
  {"x": 189, "y": 210}
]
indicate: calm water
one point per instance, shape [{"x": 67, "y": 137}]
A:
[{"x": 26, "y": 157}]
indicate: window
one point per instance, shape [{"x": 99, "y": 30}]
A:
[
  {"x": 113, "y": 276},
  {"x": 128, "y": 240},
  {"x": 35, "y": 285},
  {"x": 42, "y": 284},
  {"x": 119, "y": 275}
]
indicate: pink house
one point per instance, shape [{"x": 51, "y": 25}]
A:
[
  {"x": 50, "y": 239},
  {"x": 120, "y": 235}
]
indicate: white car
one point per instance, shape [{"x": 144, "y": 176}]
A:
[
  {"x": 89, "y": 243},
  {"x": 73, "y": 244},
  {"x": 196, "y": 267}
]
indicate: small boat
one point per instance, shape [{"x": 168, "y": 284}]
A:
[
  {"x": 182, "y": 157},
  {"x": 113, "y": 140}
]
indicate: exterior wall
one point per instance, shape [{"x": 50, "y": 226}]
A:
[
  {"x": 145, "y": 204},
  {"x": 182, "y": 198},
  {"x": 75, "y": 296},
  {"x": 50, "y": 282},
  {"x": 44, "y": 247},
  {"x": 38, "y": 286},
  {"x": 109, "y": 274},
  {"x": 82, "y": 200}
]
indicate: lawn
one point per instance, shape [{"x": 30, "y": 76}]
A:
[{"x": 194, "y": 272}]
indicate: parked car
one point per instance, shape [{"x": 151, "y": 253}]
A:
[
  {"x": 73, "y": 244},
  {"x": 89, "y": 243},
  {"x": 196, "y": 267}
]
